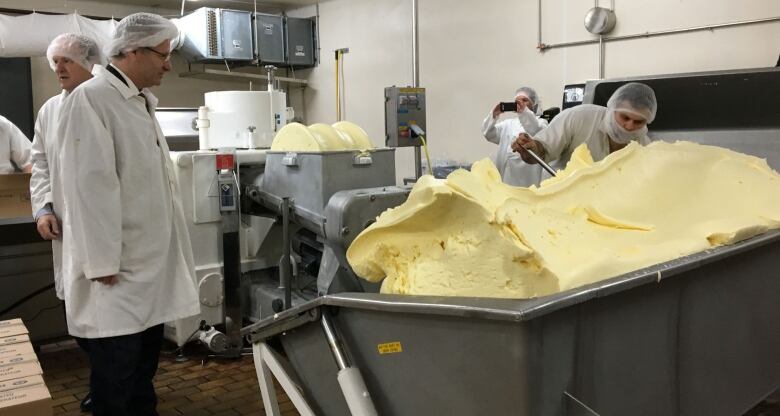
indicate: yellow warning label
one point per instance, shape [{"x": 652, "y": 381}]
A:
[{"x": 389, "y": 348}]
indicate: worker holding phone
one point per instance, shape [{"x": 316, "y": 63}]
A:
[{"x": 504, "y": 125}]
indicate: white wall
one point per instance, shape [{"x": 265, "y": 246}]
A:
[
  {"x": 474, "y": 54},
  {"x": 174, "y": 92}
]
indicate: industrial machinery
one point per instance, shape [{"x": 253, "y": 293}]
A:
[
  {"x": 214, "y": 35},
  {"x": 269, "y": 229},
  {"x": 697, "y": 335}
]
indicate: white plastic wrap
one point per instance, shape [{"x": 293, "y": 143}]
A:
[{"x": 47, "y": 27}]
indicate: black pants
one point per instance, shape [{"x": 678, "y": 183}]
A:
[{"x": 122, "y": 371}]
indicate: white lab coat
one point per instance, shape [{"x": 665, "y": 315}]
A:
[
  {"x": 14, "y": 146},
  {"x": 503, "y": 133},
  {"x": 121, "y": 214},
  {"x": 45, "y": 158},
  {"x": 574, "y": 126}
]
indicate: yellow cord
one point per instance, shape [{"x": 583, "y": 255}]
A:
[
  {"x": 427, "y": 156},
  {"x": 338, "y": 99}
]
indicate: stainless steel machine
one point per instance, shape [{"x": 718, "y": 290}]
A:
[{"x": 697, "y": 335}]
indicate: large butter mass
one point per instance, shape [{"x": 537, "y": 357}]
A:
[
  {"x": 472, "y": 235},
  {"x": 319, "y": 137}
]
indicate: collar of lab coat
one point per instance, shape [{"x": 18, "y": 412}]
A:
[{"x": 128, "y": 91}]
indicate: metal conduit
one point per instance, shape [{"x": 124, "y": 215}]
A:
[{"x": 543, "y": 47}]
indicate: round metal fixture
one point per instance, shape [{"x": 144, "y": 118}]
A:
[{"x": 600, "y": 20}]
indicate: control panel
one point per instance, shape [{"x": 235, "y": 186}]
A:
[{"x": 404, "y": 109}]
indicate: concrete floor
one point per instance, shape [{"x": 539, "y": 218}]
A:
[{"x": 216, "y": 387}]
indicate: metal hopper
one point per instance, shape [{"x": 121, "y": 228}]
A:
[{"x": 694, "y": 336}]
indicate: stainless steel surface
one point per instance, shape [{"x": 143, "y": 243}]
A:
[
  {"x": 693, "y": 336},
  {"x": 299, "y": 42},
  {"x": 285, "y": 268},
  {"x": 269, "y": 38},
  {"x": 238, "y": 76},
  {"x": 236, "y": 35},
  {"x": 418, "y": 162},
  {"x": 415, "y": 47},
  {"x": 542, "y": 46},
  {"x": 600, "y": 20},
  {"x": 541, "y": 162},
  {"x": 317, "y": 176},
  {"x": 404, "y": 106},
  {"x": 178, "y": 127},
  {"x": 333, "y": 342}
]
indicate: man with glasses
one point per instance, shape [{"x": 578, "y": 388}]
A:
[{"x": 127, "y": 258}]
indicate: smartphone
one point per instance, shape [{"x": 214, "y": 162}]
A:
[{"x": 511, "y": 106}]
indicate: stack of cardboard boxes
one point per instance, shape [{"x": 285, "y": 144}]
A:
[
  {"x": 15, "y": 195},
  {"x": 22, "y": 390}
]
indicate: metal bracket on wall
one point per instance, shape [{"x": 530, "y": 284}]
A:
[{"x": 215, "y": 74}]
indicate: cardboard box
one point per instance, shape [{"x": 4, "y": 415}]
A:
[
  {"x": 30, "y": 401},
  {"x": 8, "y": 322},
  {"x": 15, "y": 339},
  {"x": 15, "y": 195},
  {"x": 23, "y": 382},
  {"x": 20, "y": 348},
  {"x": 25, "y": 369},
  {"x": 12, "y": 331},
  {"x": 18, "y": 359}
]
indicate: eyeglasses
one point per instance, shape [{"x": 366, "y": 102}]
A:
[{"x": 165, "y": 56}]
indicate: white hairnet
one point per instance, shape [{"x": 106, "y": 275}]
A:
[
  {"x": 140, "y": 30},
  {"x": 635, "y": 98},
  {"x": 78, "y": 48},
  {"x": 531, "y": 94}
]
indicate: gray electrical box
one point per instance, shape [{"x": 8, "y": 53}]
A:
[
  {"x": 236, "y": 35},
  {"x": 210, "y": 34},
  {"x": 403, "y": 107},
  {"x": 299, "y": 38},
  {"x": 269, "y": 30}
]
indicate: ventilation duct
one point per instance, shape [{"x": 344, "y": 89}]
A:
[{"x": 17, "y": 40}]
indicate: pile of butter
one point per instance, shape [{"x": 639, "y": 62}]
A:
[
  {"x": 320, "y": 137},
  {"x": 472, "y": 235}
]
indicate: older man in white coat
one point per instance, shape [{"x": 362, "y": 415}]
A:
[
  {"x": 522, "y": 119},
  {"x": 72, "y": 58},
  {"x": 127, "y": 260}
]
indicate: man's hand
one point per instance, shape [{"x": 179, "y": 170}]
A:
[
  {"x": 48, "y": 227},
  {"x": 107, "y": 280},
  {"x": 523, "y": 142},
  {"x": 497, "y": 111}
]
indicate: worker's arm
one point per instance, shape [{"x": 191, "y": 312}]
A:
[
  {"x": 40, "y": 185},
  {"x": 531, "y": 123},
  {"x": 90, "y": 187},
  {"x": 20, "y": 149},
  {"x": 550, "y": 142},
  {"x": 489, "y": 129}
]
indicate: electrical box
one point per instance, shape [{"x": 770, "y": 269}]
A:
[
  {"x": 209, "y": 35},
  {"x": 404, "y": 107},
  {"x": 299, "y": 39},
  {"x": 269, "y": 38}
]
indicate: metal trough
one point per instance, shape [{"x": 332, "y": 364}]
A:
[{"x": 698, "y": 335}]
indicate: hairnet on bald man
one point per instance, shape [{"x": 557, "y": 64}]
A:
[
  {"x": 531, "y": 94},
  {"x": 140, "y": 30},
  {"x": 635, "y": 98},
  {"x": 78, "y": 48}
]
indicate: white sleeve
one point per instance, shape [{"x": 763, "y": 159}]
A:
[
  {"x": 530, "y": 122},
  {"x": 40, "y": 185},
  {"x": 489, "y": 129},
  {"x": 556, "y": 137},
  {"x": 20, "y": 147},
  {"x": 90, "y": 187}
]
